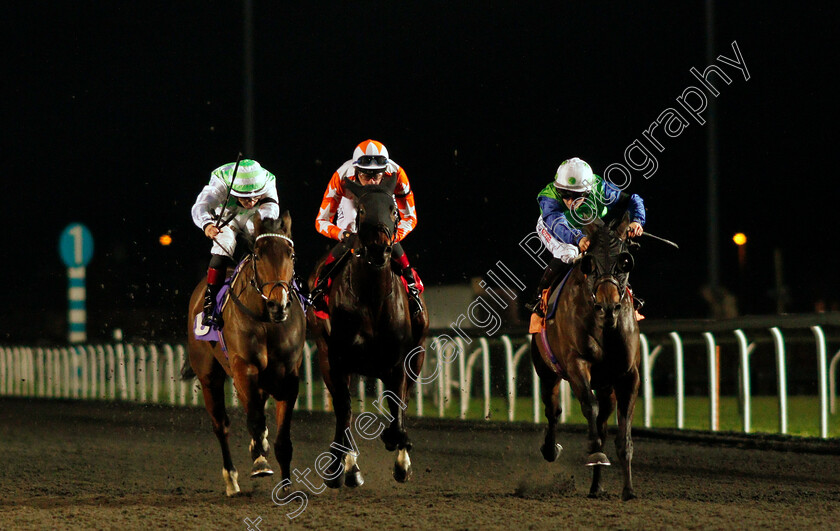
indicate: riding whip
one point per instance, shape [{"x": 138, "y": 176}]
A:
[
  {"x": 669, "y": 242},
  {"x": 233, "y": 178}
]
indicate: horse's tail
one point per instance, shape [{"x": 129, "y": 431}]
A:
[{"x": 187, "y": 372}]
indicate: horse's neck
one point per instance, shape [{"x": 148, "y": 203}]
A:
[{"x": 373, "y": 284}]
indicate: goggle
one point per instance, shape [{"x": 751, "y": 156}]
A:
[
  {"x": 372, "y": 160},
  {"x": 572, "y": 194}
]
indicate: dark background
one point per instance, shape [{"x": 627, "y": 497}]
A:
[{"x": 115, "y": 114}]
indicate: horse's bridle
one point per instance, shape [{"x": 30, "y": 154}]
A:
[
  {"x": 390, "y": 232},
  {"x": 610, "y": 277},
  {"x": 283, "y": 284}
]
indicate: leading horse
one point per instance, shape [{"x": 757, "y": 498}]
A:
[
  {"x": 262, "y": 352},
  {"x": 369, "y": 332},
  {"x": 593, "y": 342}
]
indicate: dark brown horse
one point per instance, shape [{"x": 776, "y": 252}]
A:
[
  {"x": 369, "y": 332},
  {"x": 264, "y": 334},
  {"x": 593, "y": 342}
]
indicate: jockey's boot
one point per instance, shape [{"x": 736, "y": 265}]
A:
[
  {"x": 551, "y": 273},
  {"x": 415, "y": 304},
  {"x": 215, "y": 281}
]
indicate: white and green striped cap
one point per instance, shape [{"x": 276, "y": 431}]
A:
[{"x": 251, "y": 178}]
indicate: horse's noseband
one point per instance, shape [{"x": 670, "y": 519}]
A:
[{"x": 283, "y": 284}]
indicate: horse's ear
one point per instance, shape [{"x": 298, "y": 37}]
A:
[
  {"x": 389, "y": 183},
  {"x": 354, "y": 187},
  {"x": 592, "y": 227},
  {"x": 287, "y": 222},
  {"x": 257, "y": 220},
  {"x": 621, "y": 227}
]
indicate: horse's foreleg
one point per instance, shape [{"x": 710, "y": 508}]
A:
[
  {"x": 579, "y": 379},
  {"x": 285, "y": 401},
  {"x": 213, "y": 389},
  {"x": 626, "y": 392},
  {"x": 395, "y": 436},
  {"x": 245, "y": 377},
  {"x": 550, "y": 392},
  {"x": 339, "y": 387}
]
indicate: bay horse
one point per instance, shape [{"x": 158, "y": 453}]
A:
[
  {"x": 263, "y": 335},
  {"x": 592, "y": 341},
  {"x": 369, "y": 332}
]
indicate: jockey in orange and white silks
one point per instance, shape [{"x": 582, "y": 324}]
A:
[
  {"x": 337, "y": 216},
  {"x": 224, "y": 208},
  {"x": 337, "y": 213}
]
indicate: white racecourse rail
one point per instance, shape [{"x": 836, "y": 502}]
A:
[{"x": 150, "y": 373}]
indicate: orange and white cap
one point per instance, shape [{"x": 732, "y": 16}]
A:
[{"x": 370, "y": 155}]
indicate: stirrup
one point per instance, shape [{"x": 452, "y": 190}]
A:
[
  {"x": 415, "y": 305},
  {"x": 535, "y": 306},
  {"x": 212, "y": 319}
]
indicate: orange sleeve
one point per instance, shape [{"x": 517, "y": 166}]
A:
[
  {"x": 329, "y": 207},
  {"x": 405, "y": 202}
]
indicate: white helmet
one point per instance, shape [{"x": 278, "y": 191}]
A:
[
  {"x": 251, "y": 179},
  {"x": 574, "y": 175},
  {"x": 370, "y": 155}
]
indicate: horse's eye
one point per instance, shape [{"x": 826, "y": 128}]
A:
[{"x": 361, "y": 211}]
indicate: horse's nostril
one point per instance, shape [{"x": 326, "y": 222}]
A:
[
  {"x": 616, "y": 307},
  {"x": 599, "y": 308}
]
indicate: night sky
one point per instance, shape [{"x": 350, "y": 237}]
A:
[{"x": 115, "y": 113}]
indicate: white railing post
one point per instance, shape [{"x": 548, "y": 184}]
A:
[
  {"x": 307, "y": 374},
  {"x": 832, "y": 380},
  {"x": 131, "y": 371},
  {"x": 122, "y": 377},
  {"x": 66, "y": 377},
  {"x": 142, "y": 372},
  {"x": 680, "y": 383},
  {"x": 713, "y": 390},
  {"x": 3, "y": 371},
  {"x": 781, "y": 370},
  {"x": 361, "y": 388},
  {"x": 510, "y": 377},
  {"x": 170, "y": 373},
  {"x": 92, "y": 373},
  {"x": 822, "y": 375},
  {"x": 462, "y": 380},
  {"x": 647, "y": 384},
  {"x": 485, "y": 366},
  {"x": 39, "y": 366},
  {"x": 443, "y": 377},
  {"x": 155, "y": 373},
  {"x": 79, "y": 371},
  {"x": 535, "y": 393},
  {"x": 743, "y": 351}
]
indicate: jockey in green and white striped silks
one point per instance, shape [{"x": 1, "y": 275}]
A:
[{"x": 251, "y": 179}]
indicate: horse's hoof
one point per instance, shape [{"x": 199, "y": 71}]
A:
[
  {"x": 597, "y": 493},
  {"x": 231, "y": 482},
  {"x": 353, "y": 478},
  {"x": 402, "y": 474},
  {"x": 597, "y": 459},
  {"x": 335, "y": 483},
  {"x": 628, "y": 494},
  {"x": 551, "y": 453},
  {"x": 261, "y": 468}
]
